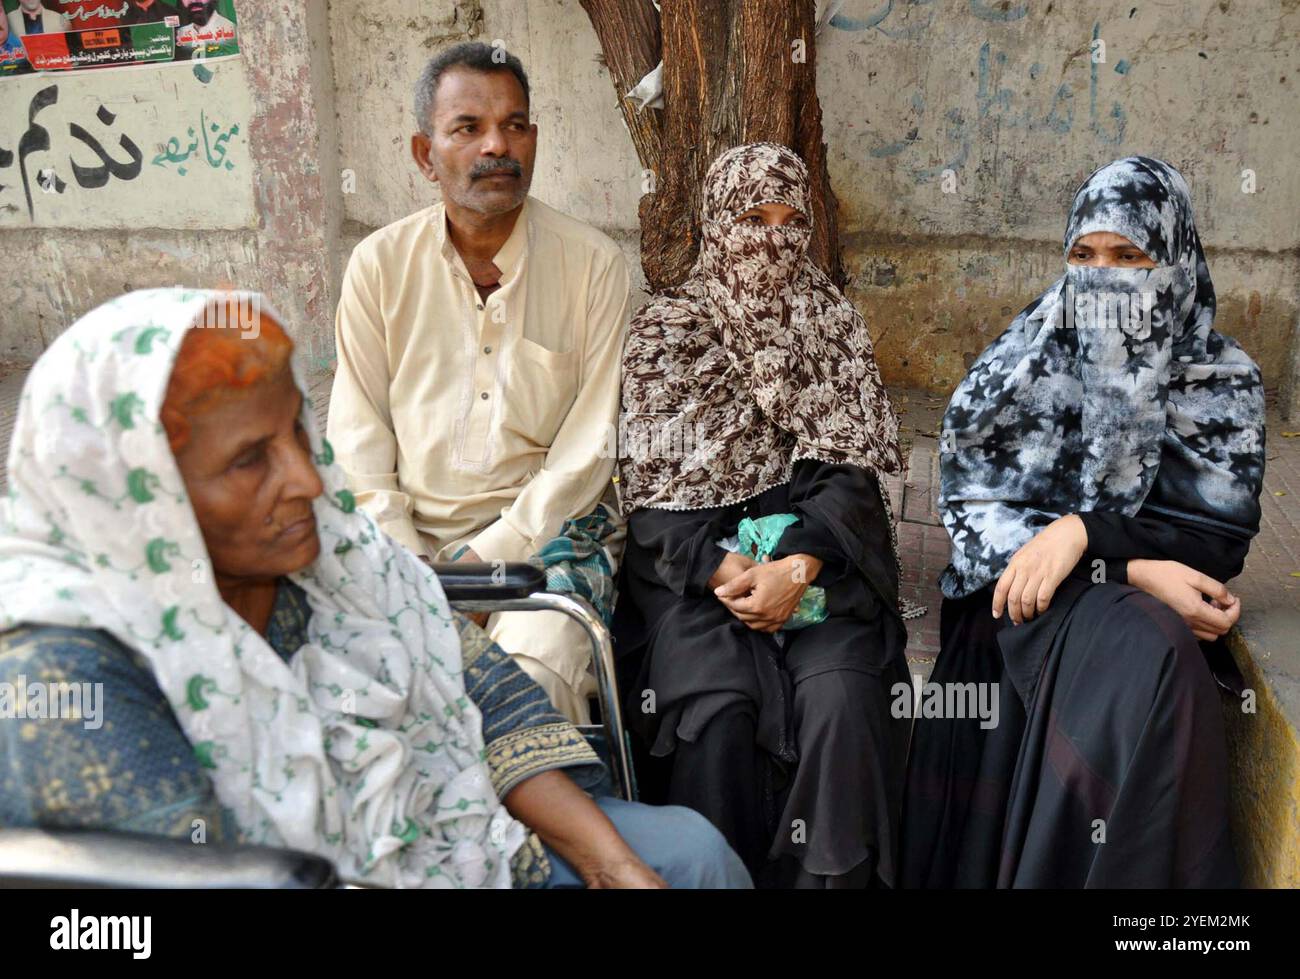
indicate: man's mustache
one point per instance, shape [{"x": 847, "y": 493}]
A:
[{"x": 489, "y": 167}]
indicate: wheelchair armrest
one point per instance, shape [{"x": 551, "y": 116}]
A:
[
  {"x": 474, "y": 582},
  {"x": 95, "y": 858}
]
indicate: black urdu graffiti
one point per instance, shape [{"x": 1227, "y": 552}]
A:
[{"x": 37, "y": 139}]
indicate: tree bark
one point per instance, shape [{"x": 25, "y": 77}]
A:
[{"x": 735, "y": 71}]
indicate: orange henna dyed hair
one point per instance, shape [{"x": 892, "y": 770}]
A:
[{"x": 216, "y": 361}]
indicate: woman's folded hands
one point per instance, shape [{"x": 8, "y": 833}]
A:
[
  {"x": 1026, "y": 588},
  {"x": 1038, "y": 568},
  {"x": 1185, "y": 590},
  {"x": 763, "y": 595}
]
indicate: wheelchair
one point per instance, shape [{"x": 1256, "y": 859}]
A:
[{"x": 37, "y": 858}]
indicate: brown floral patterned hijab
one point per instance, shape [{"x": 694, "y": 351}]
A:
[{"x": 756, "y": 361}]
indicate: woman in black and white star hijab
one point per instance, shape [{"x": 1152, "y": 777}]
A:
[
  {"x": 1157, "y": 408},
  {"x": 1109, "y": 438}
]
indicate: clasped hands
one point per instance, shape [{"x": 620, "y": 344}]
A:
[
  {"x": 763, "y": 594},
  {"x": 1036, "y": 570}
]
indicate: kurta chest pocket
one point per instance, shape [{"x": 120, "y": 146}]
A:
[{"x": 541, "y": 385}]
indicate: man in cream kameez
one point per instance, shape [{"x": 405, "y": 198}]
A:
[{"x": 479, "y": 350}]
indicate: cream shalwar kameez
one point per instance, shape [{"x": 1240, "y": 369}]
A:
[{"x": 462, "y": 421}]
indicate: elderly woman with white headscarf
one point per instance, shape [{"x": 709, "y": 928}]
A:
[{"x": 274, "y": 667}]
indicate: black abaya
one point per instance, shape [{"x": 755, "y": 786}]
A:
[
  {"x": 1108, "y": 767},
  {"x": 789, "y": 747}
]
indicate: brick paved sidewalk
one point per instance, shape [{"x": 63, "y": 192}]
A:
[{"x": 922, "y": 540}]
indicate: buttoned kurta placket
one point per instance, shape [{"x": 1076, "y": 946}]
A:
[{"x": 489, "y": 331}]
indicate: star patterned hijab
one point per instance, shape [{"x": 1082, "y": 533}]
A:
[{"x": 1110, "y": 391}]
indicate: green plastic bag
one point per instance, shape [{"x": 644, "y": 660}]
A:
[{"x": 757, "y": 539}]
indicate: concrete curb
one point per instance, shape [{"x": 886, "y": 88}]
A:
[{"x": 1264, "y": 759}]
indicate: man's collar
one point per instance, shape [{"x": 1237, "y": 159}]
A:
[
  {"x": 513, "y": 249},
  {"x": 508, "y": 255}
]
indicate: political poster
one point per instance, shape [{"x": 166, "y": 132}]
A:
[{"x": 71, "y": 35}]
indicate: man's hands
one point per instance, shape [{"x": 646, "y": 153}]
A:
[
  {"x": 764, "y": 596},
  {"x": 1184, "y": 590},
  {"x": 1037, "y": 569}
]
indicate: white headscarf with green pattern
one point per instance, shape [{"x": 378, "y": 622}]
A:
[{"x": 366, "y": 748}]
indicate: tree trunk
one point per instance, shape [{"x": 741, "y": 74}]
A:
[{"x": 735, "y": 71}]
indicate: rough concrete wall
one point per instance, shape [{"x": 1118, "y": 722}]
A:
[
  {"x": 586, "y": 166},
  {"x": 142, "y": 147},
  {"x": 185, "y": 212},
  {"x": 268, "y": 222},
  {"x": 55, "y": 277},
  {"x": 1004, "y": 94},
  {"x": 295, "y": 156},
  {"x": 1008, "y": 98}
]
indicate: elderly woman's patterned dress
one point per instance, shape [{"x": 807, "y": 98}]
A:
[{"x": 139, "y": 773}]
